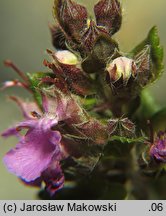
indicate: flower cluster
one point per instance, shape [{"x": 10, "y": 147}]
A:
[{"x": 87, "y": 112}]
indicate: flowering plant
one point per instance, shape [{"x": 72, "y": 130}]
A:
[{"x": 91, "y": 131}]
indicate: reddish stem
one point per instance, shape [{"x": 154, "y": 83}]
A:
[{"x": 10, "y": 64}]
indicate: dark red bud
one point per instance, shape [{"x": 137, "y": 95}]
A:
[
  {"x": 71, "y": 16},
  {"x": 108, "y": 15}
]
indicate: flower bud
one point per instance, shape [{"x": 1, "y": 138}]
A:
[
  {"x": 108, "y": 15},
  {"x": 121, "y": 67},
  {"x": 72, "y": 17},
  {"x": 66, "y": 57}
]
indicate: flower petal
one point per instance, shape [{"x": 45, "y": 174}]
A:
[
  {"x": 14, "y": 131},
  {"x": 34, "y": 152},
  {"x": 10, "y": 132}
]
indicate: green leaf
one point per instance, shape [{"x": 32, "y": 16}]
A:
[
  {"x": 35, "y": 84},
  {"x": 127, "y": 140},
  {"x": 156, "y": 52}
]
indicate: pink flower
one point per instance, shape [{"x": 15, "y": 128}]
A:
[{"x": 38, "y": 153}]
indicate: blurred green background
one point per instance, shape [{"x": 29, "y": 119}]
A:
[{"x": 24, "y": 37}]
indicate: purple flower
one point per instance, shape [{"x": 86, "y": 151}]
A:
[
  {"x": 158, "y": 149},
  {"x": 38, "y": 153}
]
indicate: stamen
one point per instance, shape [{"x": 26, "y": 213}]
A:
[
  {"x": 35, "y": 114},
  {"x": 9, "y": 63}
]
